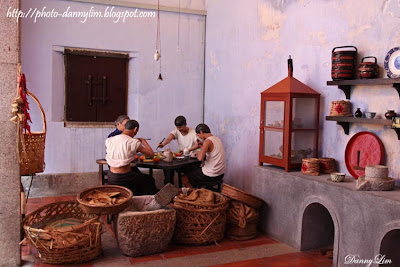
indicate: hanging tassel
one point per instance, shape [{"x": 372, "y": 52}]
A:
[{"x": 160, "y": 77}]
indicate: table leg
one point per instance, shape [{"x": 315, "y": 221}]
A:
[
  {"x": 169, "y": 176},
  {"x": 101, "y": 174},
  {"x": 180, "y": 179},
  {"x": 151, "y": 172}
]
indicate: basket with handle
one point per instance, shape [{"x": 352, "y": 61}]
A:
[{"x": 31, "y": 146}]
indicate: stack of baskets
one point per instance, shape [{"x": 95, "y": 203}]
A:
[
  {"x": 242, "y": 215},
  {"x": 199, "y": 224},
  {"x": 77, "y": 244}
]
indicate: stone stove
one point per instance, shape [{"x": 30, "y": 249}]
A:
[{"x": 311, "y": 212}]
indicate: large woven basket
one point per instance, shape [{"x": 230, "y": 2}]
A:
[
  {"x": 105, "y": 210},
  {"x": 54, "y": 246},
  {"x": 31, "y": 147},
  {"x": 241, "y": 196},
  {"x": 201, "y": 223}
]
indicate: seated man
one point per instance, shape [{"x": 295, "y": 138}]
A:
[
  {"x": 185, "y": 136},
  {"x": 213, "y": 168},
  {"x": 119, "y": 125},
  {"x": 121, "y": 150}
]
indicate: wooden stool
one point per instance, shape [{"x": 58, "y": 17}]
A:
[{"x": 213, "y": 186}]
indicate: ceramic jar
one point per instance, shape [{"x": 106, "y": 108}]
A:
[
  {"x": 368, "y": 70},
  {"x": 390, "y": 114},
  {"x": 358, "y": 113}
]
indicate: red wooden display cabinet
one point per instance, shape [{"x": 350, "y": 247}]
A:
[{"x": 289, "y": 123}]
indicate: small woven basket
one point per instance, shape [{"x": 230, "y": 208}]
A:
[
  {"x": 55, "y": 246},
  {"x": 327, "y": 165},
  {"x": 31, "y": 147},
  {"x": 241, "y": 196},
  {"x": 199, "y": 224},
  {"x": 105, "y": 210},
  {"x": 310, "y": 166},
  {"x": 341, "y": 108}
]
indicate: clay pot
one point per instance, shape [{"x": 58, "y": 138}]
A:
[
  {"x": 368, "y": 70},
  {"x": 390, "y": 114},
  {"x": 358, "y": 113}
]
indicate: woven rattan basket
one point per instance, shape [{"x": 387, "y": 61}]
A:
[
  {"x": 105, "y": 210},
  {"x": 327, "y": 165},
  {"x": 239, "y": 195},
  {"x": 201, "y": 223},
  {"x": 55, "y": 246},
  {"x": 31, "y": 147},
  {"x": 341, "y": 108},
  {"x": 310, "y": 166}
]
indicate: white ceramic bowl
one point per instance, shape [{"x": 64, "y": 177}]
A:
[
  {"x": 337, "y": 176},
  {"x": 370, "y": 115}
]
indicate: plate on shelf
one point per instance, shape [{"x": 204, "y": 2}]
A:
[{"x": 392, "y": 63}]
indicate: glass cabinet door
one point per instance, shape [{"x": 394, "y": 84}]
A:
[
  {"x": 273, "y": 144},
  {"x": 303, "y": 145},
  {"x": 303, "y": 115},
  {"x": 273, "y": 128},
  {"x": 274, "y": 113}
]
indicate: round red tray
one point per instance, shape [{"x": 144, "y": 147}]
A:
[{"x": 371, "y": 152}]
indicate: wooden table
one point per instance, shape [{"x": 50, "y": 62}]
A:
[{"x": 169, "y": 167}]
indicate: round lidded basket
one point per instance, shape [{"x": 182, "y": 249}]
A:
[
  {"x": 199, "y": 224},
  {"x": 310, "y": 166},
  {"x": 368, "y": 70},
  {"x": 241, "y": 196},
  {"x": 105, "y": 209},
  {"x": 80, "y": 243},
  {"x": 327, "y": 165},
  {"x": 341, "y": 108}
]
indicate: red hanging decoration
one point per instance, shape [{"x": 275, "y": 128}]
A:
[{"x": 24, "y": 105}]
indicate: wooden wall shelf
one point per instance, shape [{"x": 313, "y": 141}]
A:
[
  {"x": 345, "y": 122},
  {"x": 345, "y": 85}
]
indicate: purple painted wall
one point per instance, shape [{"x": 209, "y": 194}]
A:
[
  {"x": 153, "y": 103},
  {"x": 246, "y": 52}
]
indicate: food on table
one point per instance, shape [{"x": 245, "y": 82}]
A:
[
  {"x": 178, "y": 154},
  {"x": 136, "y": 157},
  {"x": 156, "y": 159},
  {"x": 142, "y": 158}
]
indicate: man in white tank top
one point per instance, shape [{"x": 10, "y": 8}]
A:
[
  {"x": 185, "y": 136},
  {"x": 121, "y": 150},
  {"x": 214, "y": 165}
]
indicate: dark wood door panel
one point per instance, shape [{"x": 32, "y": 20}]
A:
[{"x": 96, "y": 88}]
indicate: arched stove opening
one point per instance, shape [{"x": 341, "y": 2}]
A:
[
  {"x": 317, "y": 230},
  {"x": 390, "y": 249}
]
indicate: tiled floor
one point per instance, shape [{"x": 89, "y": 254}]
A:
[{"x": 262, "y": 251}]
